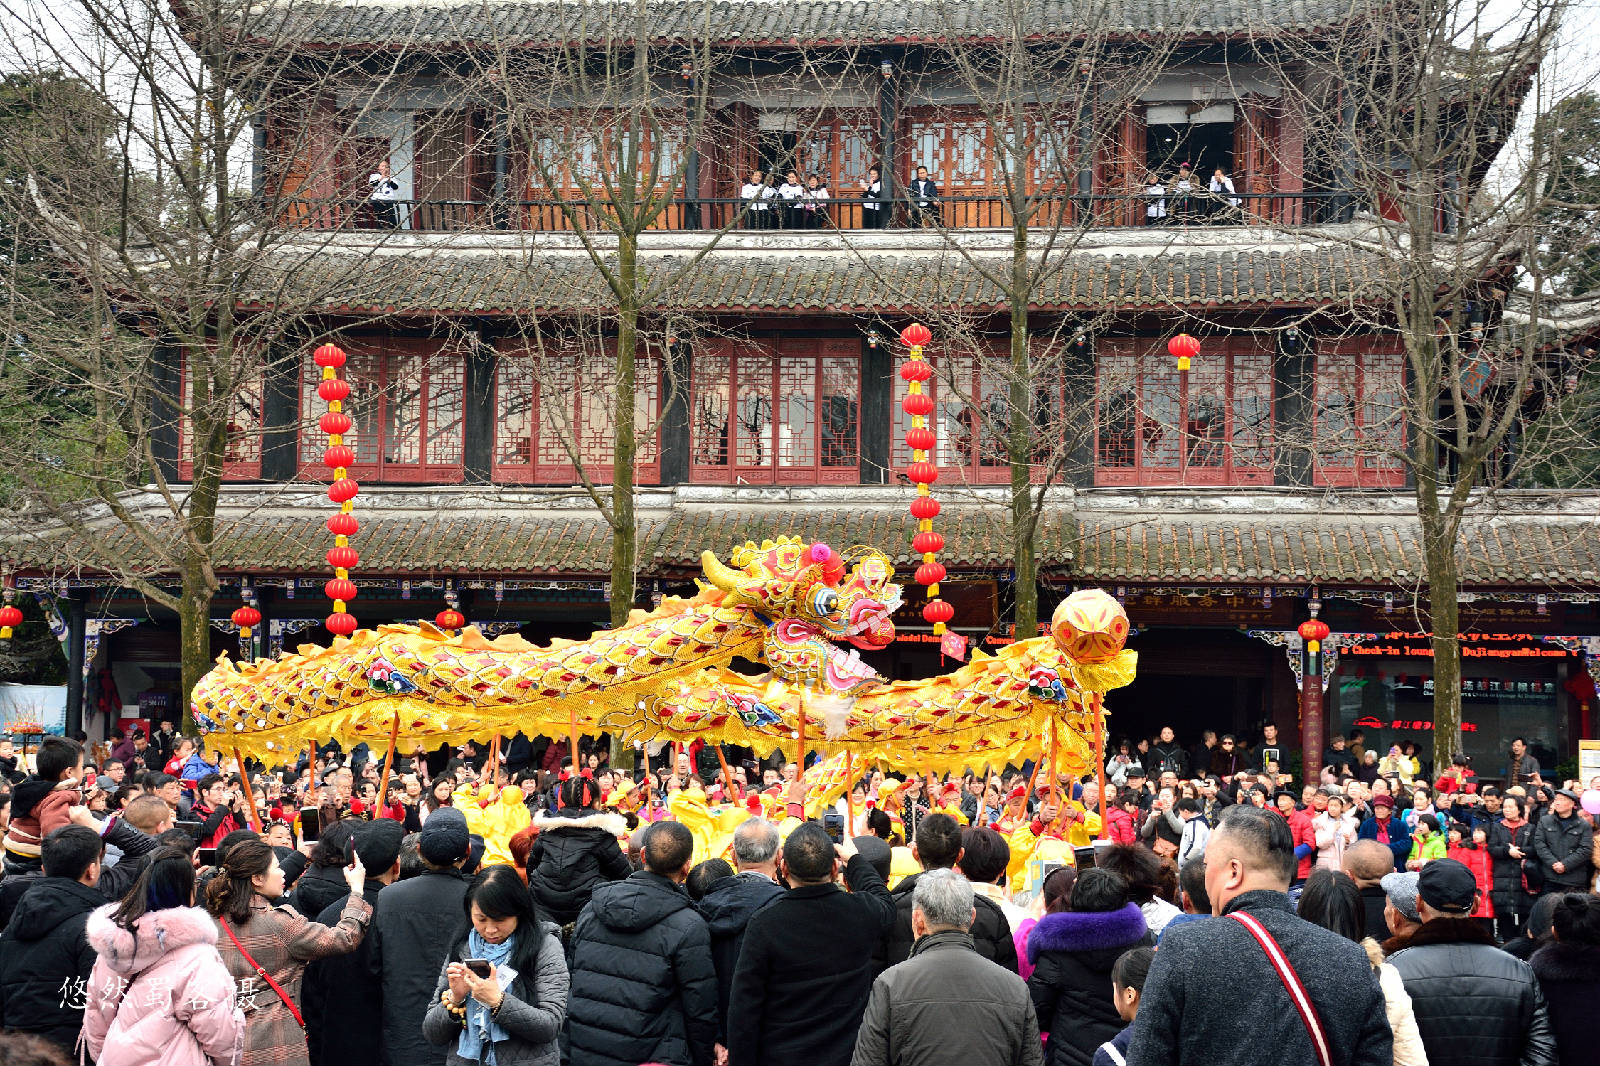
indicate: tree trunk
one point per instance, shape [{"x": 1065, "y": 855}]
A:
[
  {"x": 194, "y": 631},
  {"x": 1019, "y": 440},
  {"x": 624, "y": 525},
  {"x": 1444, "y": 611}
]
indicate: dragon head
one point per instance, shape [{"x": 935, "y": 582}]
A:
[{"x": 810, "y": 600}]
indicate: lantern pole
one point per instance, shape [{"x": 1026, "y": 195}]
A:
[
  {"x": 1097, "y": 707},
  {"x": 1313, "y": 632}
]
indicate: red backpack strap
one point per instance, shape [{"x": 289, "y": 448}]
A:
[
  {"x": 1291, "y": 983},
  {"x": 287, "y": 1002}
]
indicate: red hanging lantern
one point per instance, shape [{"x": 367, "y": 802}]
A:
[
  {"x": 915, "y": 335},
  {"x": 920, "y": 439},
  {"x": 938, "y": 612},
  {"x": 917, "y": 405},
  {"x": 340, "y": 588},
  {"x": 930, "y": 573},
  {"x": 1183, "y": 348},
  {"x": 450, "y": 618},
  {"x": 923, "y": 473},
  {"x": 342, "y": 557},
  {"x": 343, "y": 525},
  {"x": 343, "y": 490},
  {"x": 923, "y": 543},
  {"x": 333, "y": 389},
  {"x": 338, "y": 455},
  {"x": 924, "y": 508},
  {"x": 246, "y": 618},
  {"x": 341, "y": 623},
  {"x": 329, "y": 356},
  {"x": 335, "y": 423},
  {"x": 1314, "y": 629},
  {"x": 916, "y": 370},
  {"x": 10, "y": 618}
]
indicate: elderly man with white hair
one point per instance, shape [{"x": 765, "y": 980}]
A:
[{"x": 946, "y": 1003}]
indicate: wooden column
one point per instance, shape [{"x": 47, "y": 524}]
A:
[
  {"x": 674, "y": 432},
  {"x": 167, "y": 381},
  {"x": 876, "y": 413},
  {"x": 280, "y": 414},
  {"x": 1292, "y": 368},
  {"x": 478, "y": 416}
]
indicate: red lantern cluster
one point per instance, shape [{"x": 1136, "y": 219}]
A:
[
  {"x": 923, "y": 472},
  {"x": 1183, "y": 348},
  {"x": 343, "y": 491}
]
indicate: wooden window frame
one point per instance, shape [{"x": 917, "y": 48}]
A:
[
  {"x": 240, "y": 466},
  {"x": 960, "y": 462},
  {"x": 1365, "y": 469},
  {"x": 796, "y": 354},
  {"x": 1151, "y": 362},
  {"x": 539, "y": 469},
  {"x": 435, "y": 359}
]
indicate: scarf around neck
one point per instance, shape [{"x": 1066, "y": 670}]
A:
[{"x": 483, "y": 1032}]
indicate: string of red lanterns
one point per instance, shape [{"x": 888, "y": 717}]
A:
[
  {"x": 923, "y": 472},
  {"x": 340, "y": 589}
]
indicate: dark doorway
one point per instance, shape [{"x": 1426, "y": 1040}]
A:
[
  {"x": 1203, "y": 145},
  {"x": 1194, "y": 680},
  {"x": 775, "y": 153}
]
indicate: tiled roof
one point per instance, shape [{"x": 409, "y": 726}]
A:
[
  {"x": 1163, "y": 542},
  {"x": 566, "y": 542},
  {"x": 974, "y": 539},
  {"x": 489, "y": 283},
  {"x": 773, "y": 22}
]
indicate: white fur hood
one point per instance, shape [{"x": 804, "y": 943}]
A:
[
  {"x": 614, "y": 824},
  {"x": 153, "y": 936}
]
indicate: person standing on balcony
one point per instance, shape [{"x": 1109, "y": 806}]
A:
[
  {"x": 791, "y": 192},
  {"x": 873, "y": 216},
  {"x": 816, "y": 202},
  {"x": 1224, "y": 203},
  {"x": 924, "y": 200},
  {"x": 385, "y": 197},
  {"x": 1155, "y": 200},
  {"x": 755, "y": 193},
  {"x": 1183, "y": 195}
]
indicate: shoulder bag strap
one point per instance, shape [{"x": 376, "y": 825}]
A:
[
  {"x": 1291, "y": 983},
  {"x": 287, "y": 1002}
]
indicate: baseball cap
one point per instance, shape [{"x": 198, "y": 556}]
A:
[
  {"x": 1447, "y": 885},
  {"x": 1401, "y": 888}
]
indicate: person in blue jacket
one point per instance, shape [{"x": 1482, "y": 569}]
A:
[{"x": 1387, "y": 829}]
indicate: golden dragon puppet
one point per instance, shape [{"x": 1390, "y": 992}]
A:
[{"x": 663, "y": 675}]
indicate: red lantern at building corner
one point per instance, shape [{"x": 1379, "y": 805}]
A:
[
  {"x": 1313, "y": 631},
  {"x": 450, "y": 619},
  {"x": 1183, "y": 348},
  {"x": 246, "y": 618}
]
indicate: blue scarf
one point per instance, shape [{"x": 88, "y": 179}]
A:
[{"x": 482, "y": 1031}]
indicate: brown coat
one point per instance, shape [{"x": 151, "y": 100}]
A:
[{"x": 282, "y": 941}]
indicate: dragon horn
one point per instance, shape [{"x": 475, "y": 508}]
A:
[{"x": 719, "y": 575}]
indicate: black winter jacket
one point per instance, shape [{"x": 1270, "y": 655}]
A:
[
  {"x": 946, "y": 1004},
  {"x": 805, "y": 972},
  {"x": 1569, "y": 977},
  {"x": 316, "y": 889},
  {"x": 1568, "y": 841},
  {"x": 575, "y": 851},
  {"x": 343, "y": 1006},
  {"x": 728, "y": 907},
  {"x": 644, "y": 988},
  {"x": 1072, "y": 954},
  {"x": 412, "y": 928},
  {"x": 1475, "y": 1004},
  {"x": 1212, "y": 996},
  {"x": 1507, "y": 872},
  {"x": 42, "y": 950},
  {"x": 991, "y": 932}
]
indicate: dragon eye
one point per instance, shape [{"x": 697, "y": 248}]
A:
[{"x": 824, "y": 601}]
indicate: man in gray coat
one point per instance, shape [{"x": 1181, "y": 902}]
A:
[{"x": 947, "y": 1003}]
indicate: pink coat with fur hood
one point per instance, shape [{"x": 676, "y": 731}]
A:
[{"x": 176, "y": 1002}]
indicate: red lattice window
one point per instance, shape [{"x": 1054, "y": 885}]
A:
[
  {"x": 406, "y": 400},
  {"x": 561, "y": 402},
  {"x": 241, "y": 457},
  {"x": 1358, "y": 425},
  {"x": 1155, "y": 428},
  {"x": 971, "y": 413},
  {"x": 788, "y": 416}
]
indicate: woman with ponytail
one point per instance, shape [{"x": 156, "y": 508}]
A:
[
  {"x": 1568, "y": 969},
  {"x": 266, "y": 948},
  {"x": 575, "y": 851},
  {"x": 160, "y": 994}
]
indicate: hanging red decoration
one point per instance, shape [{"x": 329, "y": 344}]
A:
[
  {"x": 246, "y": 618},
  {"x": 343, "y": 491},
  {"x": 10, "y": 618},
  {"x": 343, "y": 557},
  {"x": 923, "y": 472},
  {"x": 1314, "y": 629},
  {"x": 1183, "y": 348},
  {"x": 449, "y": 618}
]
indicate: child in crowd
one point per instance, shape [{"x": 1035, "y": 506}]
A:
[
  {"x": 43, "y": 801},
  {"x": 1427, "y": 843},
  {"x": 1127, "y": 984},
  {"x": 1470, "y": 847}
]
